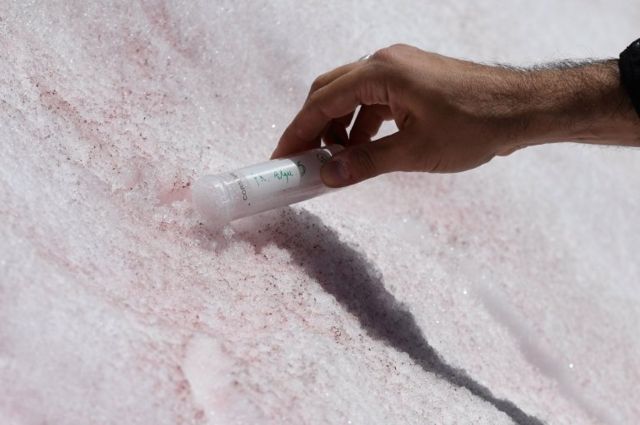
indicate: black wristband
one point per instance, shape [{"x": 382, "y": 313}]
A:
[{"x": 629, "y": 65}]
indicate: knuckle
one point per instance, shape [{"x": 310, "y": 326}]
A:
[
  {"x": 313, "y": 99},
  {"x": 383, "y": 55},
  {"x": 319, "y": 82},
  {"x": 314, "y": 86},
  {"x": 390, "y": 53},
  {"x": 315, "y": 105}
]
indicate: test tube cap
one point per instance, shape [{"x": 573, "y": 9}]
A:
[{"x": 211, "y": 200}]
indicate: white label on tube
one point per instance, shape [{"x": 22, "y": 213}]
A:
[{"x": 262, "y": 185}]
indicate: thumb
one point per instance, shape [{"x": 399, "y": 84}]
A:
[{"x": 363, "y": 161}]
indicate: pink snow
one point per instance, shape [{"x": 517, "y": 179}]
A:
[{"x": 508, "y": 294}]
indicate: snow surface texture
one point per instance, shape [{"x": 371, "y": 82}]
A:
[{"x": 508, "y": 294}]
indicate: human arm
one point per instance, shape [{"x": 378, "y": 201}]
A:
[{"x": 454, "y": 115}]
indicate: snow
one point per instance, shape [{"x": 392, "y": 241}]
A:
[{"x": 508, "y": 294}]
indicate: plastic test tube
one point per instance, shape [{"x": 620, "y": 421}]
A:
[{"x": 224, "y": 197}]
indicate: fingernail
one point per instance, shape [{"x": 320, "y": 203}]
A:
[{"x": 335, "y": 173}]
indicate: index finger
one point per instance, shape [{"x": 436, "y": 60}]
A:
[{"x": 361, "y": 86}]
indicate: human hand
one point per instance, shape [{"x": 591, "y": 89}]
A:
[
  {"x": 439, "y": 105},
  {"x": 452, "y": 115}
]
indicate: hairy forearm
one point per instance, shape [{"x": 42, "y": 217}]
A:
[
  {"x": 583, "y": 103},
  {"x": 454, "y": 115}
]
